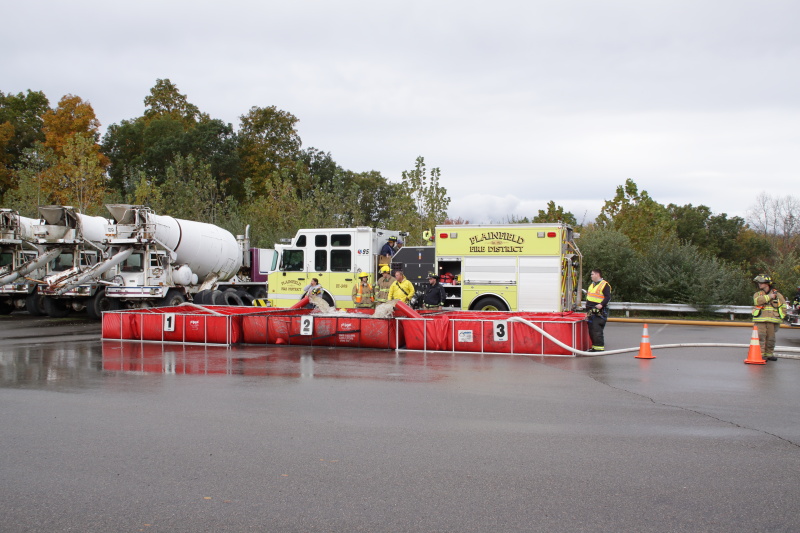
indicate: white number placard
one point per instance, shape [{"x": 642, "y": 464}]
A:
[
  {"x": 307, "y": 325},
  {"x": 500, "y": 330},
  {"x": 169, "y": 321}
]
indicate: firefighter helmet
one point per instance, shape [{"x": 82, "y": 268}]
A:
[
  {"x": 316, "y": 291},
  {"x": 363, "y": 275},
  {"x": 761, "y": 278},
  {"x": 432, "y": 275},
  {"x": 385, "y": 268},
  {"x": 392, "y": 238}
]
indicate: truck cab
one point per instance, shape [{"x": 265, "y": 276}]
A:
[{"x": 335, "y": 256}]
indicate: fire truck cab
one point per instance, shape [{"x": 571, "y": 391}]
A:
[{"x": 335, "y": 256}]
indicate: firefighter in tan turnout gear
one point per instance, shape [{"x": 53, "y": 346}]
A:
[
  {"x": 363, "y": 293},
  {"x": 382, "y": 285},
  {"x": 769, "y": 310}
]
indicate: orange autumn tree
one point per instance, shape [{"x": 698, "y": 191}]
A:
[{"x": 78, "y": 177}]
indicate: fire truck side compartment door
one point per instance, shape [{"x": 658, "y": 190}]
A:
[{"x": 539, "y": 284}]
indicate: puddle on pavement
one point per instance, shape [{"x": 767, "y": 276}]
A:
[{"x": 87, "y": 364}]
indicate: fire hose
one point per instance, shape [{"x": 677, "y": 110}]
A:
[{"x": 652, "y": 347}]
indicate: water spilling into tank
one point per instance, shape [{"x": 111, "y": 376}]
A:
[{"x": 385, "y": 310}]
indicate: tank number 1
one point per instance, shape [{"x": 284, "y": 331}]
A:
[
  {"x": 500, "y": 330},
  {"x": 169, "y": 321}
]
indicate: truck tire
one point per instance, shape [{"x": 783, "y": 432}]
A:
[
  {"x": 99, "y": 303},
  {"x": 34, "y": 304},
  {"x": 56, "y": 308},
  {"x": 247, "y": 298},
  {"x": 259, "y": 293},
  {"x": 172, "y": 299},
  {"x": 215, "y": 298},
  {"x": 232, "y": 297},
  {"x": 489, "y": 303},
  {"x": 201, "y": 298},
  {"x": 6, "y": 307}
]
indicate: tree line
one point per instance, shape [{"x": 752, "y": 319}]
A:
[{"x": 182, "y": 162}]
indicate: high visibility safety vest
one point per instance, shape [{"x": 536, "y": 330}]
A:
[
  {"x": 765, "y": 309},
  {"x": 595, "y": 292},
  {"x": 360, "y": 294}
]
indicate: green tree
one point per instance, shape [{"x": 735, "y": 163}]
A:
[
  {"x": 268, "y": 142},
  {"x": 166, "y": 101},
  {"x": 555, "y": 213},
  {"x": 20, "y": 129},
  {"x": 419, "y": 203},
  {"x": 636, "y": 215},
  {"x": 612, "y": 252},
  {"x": 675, "y": 272},
  {"x": 78, "y": 176}
]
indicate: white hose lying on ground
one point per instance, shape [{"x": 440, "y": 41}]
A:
[{"x": 652, "y": 346}]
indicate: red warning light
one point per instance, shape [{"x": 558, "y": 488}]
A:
[
  {"x": 443, "y": 235},
  {"x": 551, "y": 233}
]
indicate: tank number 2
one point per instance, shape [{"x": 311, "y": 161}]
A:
[
  {"x": 307, "y": 325},
  {"x": 169, "y": 321},
  {"x": 500, "y": 330}
]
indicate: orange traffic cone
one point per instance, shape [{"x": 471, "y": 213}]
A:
[
  {"x": 754, "y": 353},
  {"x": 644, "y": 346}
]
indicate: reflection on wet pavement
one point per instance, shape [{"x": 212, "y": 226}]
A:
[{"x": 82, "y": 364}]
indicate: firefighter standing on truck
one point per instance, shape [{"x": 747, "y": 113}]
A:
[
  {"x": 383, "y": 284},
  {"x": 769, "y": 310},
  {"x": 363, "y": 293},
  {"x": 401, "y": 289},
  {"x": 597, "y": 299}
]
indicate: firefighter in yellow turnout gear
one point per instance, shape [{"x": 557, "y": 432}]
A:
[
  {"x": 597, "y": 299},
  {"x": 769, "y": 310},
  {"x": 363, "y": 293},
  {"x": 383, "y": 284},
  {"x": 401, "y": 289}
]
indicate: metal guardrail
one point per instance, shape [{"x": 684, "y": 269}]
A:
[{"x": 677, "y": 308}]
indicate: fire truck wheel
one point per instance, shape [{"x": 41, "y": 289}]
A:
[
  {"x": 259, "y": 294},
  {"x": 56, "y": 308},
  {"x": 172, "y": 299},
  {"x": 232, "y": 297},
  {"x": 34, "y": 304},
  {"x": 215, "y": 298},
  {"x": 247, "y": 298},
  {"x": 6, "y": 308},
  {"x": 99, "y": 303},
  {"x": 489, "y": 303},
  {"x": 328, "y": 298}
]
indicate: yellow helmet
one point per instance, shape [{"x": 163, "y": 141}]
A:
[
  {"x": 385, "y": 268},
  {"x": 363, "y": 275}
]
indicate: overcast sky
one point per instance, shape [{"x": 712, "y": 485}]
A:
[{"x": 517, "y": 102}]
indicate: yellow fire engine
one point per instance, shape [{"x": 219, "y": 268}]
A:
[{"x": 516, "y": 267}]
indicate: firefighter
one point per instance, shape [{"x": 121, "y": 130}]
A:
[
  {"x": 434, "y": 293},
  {"x": 383, "y": 284},
  {"x": 388, "y": 250},
  {"x": 401, "y": 289},
  {"x": 769, "y": 310},
  {"x": 597, "y": 299},
  {"x": 363, "y": 294}
]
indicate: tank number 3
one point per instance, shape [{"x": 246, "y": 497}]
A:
[{"x": 500, "y": 330}]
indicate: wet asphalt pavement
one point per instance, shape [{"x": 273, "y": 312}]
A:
[{"x": 139, "y": 437}]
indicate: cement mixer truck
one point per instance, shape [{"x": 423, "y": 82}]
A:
[
  {"x": 152, "y": 260},
  {"x": 20, "y": 263}
]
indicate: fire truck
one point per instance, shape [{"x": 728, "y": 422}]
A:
[{"x": 511, "y": 267}]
